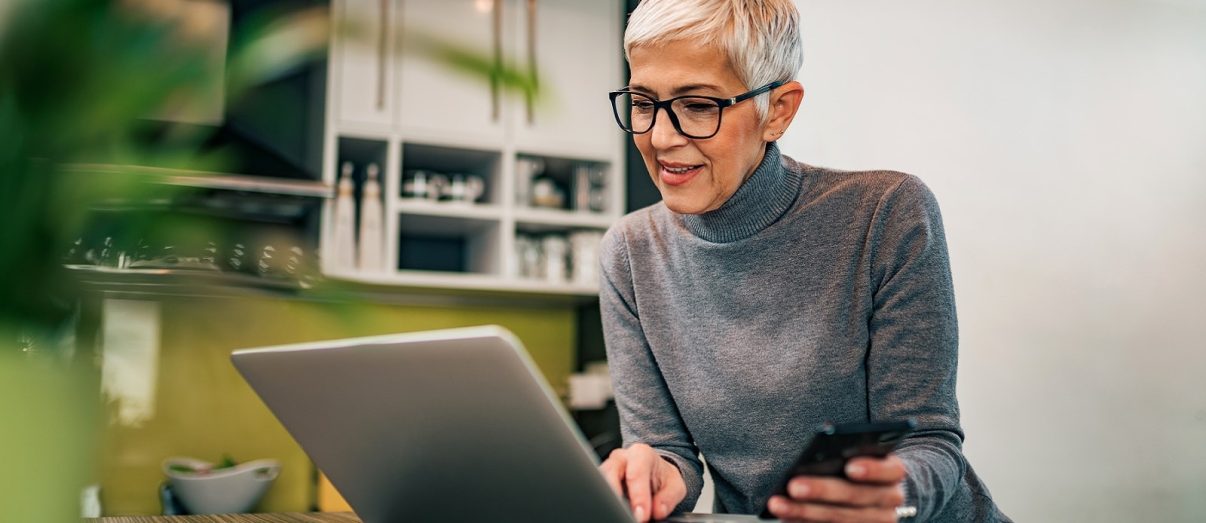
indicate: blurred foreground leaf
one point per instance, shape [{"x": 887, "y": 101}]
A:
[{"x": 76, "y": 78}]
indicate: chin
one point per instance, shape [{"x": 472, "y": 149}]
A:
[{"x": 683, "y": 205}]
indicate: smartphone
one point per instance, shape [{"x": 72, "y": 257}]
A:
[{"x": 834, "y": 445}]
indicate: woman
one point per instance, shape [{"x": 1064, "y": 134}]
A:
[{"x": 764, "y": 296}]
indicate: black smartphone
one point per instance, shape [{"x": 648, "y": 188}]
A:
[{"x": 834, "y": 445}]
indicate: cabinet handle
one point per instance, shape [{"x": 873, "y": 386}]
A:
[
  {"x": 382, "y": 49},
  {"x": 494, "y": 75},
  {"x": 531, "y": 62}
]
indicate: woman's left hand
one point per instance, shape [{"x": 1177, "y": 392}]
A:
[{"x": 872, "y": 493}]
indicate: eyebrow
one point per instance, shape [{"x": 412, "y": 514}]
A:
[{"x": 684, "y": 89}]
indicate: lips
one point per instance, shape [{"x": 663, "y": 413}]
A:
[{"x": 674, "y": 173}]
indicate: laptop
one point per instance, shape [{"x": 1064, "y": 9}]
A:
[{"x": 442, "y": 426}]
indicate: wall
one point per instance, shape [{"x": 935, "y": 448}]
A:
[
  {"x": 1066, "y": 142},
  {"x": 172, "y": 391}
]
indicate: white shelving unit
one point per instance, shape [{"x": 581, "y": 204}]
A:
[
  {"x": 552, "y": 218},
  {"x": 405, "y": 112}
]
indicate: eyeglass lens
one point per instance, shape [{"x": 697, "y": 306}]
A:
[{"x": 697, "y": 117}]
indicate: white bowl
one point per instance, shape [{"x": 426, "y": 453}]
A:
[{"x": 224, "y": 491}]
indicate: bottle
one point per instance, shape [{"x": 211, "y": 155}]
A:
[
  {"x": 236, "y": 258},
  {"x": 523, "y": 182},
  {"x": 582, "y": 188},
  {"x": 555, "y": 254},
  {"x": 90, "y": 503},
  {"x": 344, "y": 232},
  {"x": 370, "y": 222},
  {"x": 584, "y": 256},
  {"x": 268, "y": 265}
]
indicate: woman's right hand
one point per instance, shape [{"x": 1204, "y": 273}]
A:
[{"x": 653, "y": 485}]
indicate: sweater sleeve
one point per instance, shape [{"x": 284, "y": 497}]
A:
[
  {"x": 647, "y": 411},
  {"x": 913, "y": 353}
]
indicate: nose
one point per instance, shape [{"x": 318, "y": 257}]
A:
[{"x": 663, "y": 134}]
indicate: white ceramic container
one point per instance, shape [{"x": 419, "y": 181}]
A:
[{"x": 224, "y": 491}]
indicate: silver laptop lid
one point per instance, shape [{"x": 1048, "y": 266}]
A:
[{"x": 441, "y": 426}]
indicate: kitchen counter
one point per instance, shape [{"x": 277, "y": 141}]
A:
[
  {"x": 290, "y": 517},
  {"x": 348, "y": 517}
]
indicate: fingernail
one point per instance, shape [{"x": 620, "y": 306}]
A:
[
  {"x": 776, "y": 504},
  {"x": 663, "y": 510},
  {"x": 855, "y": 471},
  {"x": 639, "y": 513},
  {"x": 799, "y": 490}
]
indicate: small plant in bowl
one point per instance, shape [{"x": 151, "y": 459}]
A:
[{"x": 223, "y": 488}]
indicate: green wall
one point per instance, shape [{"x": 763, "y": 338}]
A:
[{"x": 203, "y": 409}]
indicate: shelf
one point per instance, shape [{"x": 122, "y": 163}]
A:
[
  {"x": 452, "y": 164},
  {"x": 441, "y": 224},
  {"x": 560, "y": 219},
  {"x": 470, "y": 211},
  {"x": 216, "y": 180},
  {"x": 169, "y": 281},
  {"x": 470, "y": 282},
  {"x": 418, "y": 155},
  {"x": 407, "y": 288},
  {"x": 363, "y": 131},
  {"x": 454, "y": 244},
  {"x": 563, "y": 154}
]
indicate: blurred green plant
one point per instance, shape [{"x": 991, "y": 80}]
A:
[{"x": 76, "y": 78}]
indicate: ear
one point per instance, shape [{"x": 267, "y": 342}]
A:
[{"x": 784, "y": 102}]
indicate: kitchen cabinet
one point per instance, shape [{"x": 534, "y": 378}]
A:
[
  {"x": 365, "y": 54},
  {"x": 437, "y": 101},
  {"x": 576, "y": 48},
  {"x": 573, "y": 47},
  {"x": 456, "y": 126}
]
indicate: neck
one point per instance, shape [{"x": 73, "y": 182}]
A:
[{"x": 762, "y": 199}]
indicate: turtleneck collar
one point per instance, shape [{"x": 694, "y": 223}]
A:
[{"x": 760, "y": 201}]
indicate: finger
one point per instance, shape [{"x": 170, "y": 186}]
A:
[
  {"x": 842, "y": 492},
  {"x": 638, "y": 478},
  {"x": 613, "y": 470},
  {"x": 663, "y": 505},
  {"x": 671, "y": 492},
  {"x": 789, "y": 510},
  {"x": 887, "y": 470}
]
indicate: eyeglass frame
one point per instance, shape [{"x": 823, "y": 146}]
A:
[{"x": 721, "y": 103}]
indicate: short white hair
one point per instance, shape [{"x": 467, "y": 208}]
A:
[{"x": 760, "y": 37}]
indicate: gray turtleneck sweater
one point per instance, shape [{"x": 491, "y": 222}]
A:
[{"x": 811, "y": 295}]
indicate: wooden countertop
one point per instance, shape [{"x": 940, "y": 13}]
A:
[
  {"x": 290, "y": 517},
  {"x": 348, "y": 517}
]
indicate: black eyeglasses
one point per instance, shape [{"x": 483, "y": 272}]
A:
[{"x": 696, "y": 117}]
